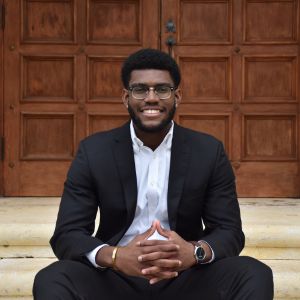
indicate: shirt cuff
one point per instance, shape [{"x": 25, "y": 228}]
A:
[
  {"x": 91, "y": 256},
  {"x": 212, "y": 253}
]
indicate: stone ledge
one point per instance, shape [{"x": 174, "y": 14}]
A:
[
  {"x": 46, "y": 252},
  {"x": 266, "y": 222},
  {"x": 16, "y": 275}
]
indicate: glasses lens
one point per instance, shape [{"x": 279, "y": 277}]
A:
[
  {"x": 139, "y": 92},
  {"x": 163, "y": 91},
  {"x": 142, "y": 92}
]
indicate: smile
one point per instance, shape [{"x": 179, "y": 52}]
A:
[{"x": 151, "y": 111}]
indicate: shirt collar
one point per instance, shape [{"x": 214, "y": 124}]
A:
[{"x": 137, "y": 143}]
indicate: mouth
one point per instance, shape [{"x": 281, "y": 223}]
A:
[{"x": 151, "y": 112}]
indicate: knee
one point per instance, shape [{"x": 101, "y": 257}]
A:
[
  {"x": 44, "y": 278},
  {"x": 41, "y": 279},
  {"x": 258, "y": 269},
  {"x": 258, "y": 278}
]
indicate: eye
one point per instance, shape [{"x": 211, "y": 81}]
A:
[
  {"x": 140, "y": 89},
  {"x": 162, "y": 89}
]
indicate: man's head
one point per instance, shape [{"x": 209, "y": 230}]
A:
[
  {"x": 151, "y": 95},
  {"x": 145, "y": 59}
]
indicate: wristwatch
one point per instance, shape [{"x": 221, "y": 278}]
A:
[{"x": 199, "y": 253}]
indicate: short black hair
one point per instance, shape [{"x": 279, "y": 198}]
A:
[{"x": 150, "y": 59}]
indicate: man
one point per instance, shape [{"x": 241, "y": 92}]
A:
[{"x": 155, "y": 184}]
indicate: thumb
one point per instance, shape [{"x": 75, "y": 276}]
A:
[
  {"x": 147, "y": 233},
  {"x": 160, "y": 230}
]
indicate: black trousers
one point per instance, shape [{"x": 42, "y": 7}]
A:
[{"x": 234, "y": 278}]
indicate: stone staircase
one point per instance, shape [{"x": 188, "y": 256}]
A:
[{"x": 272, "y": 228}]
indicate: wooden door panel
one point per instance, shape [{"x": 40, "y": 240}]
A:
[
  {"x": 270, "y": 79},
  {"x": 48, "y": 78},
  {"x": 47, "y": 136},
  {"x": 100, "y": 122},
  {"x": 272, "y": 22},
  {"x": 263, "y": 179},
  {"x": 48, "y": 21},
  {"x": 104, "y": 80},
  {"x": 203, "y": 22},
  {"x": 114, "y": 22},
  {"x": 205, "y": 79},
  {"x": 213, "y": 124},
  {"x": 269, "y": 138}
]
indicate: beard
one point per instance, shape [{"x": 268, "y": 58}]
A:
[{"x": 138, "y": 123}]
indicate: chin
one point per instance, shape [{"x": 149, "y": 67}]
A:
[{"x": 150, "y": 128}]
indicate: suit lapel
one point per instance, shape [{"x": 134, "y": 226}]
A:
[
  {"x": 178, "y": 167},
  {"x": 124, "y": 158}
]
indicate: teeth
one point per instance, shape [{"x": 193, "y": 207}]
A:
[{"x": 151, "y": 111}]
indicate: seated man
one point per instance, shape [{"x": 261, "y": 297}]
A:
[{"x": 156, "y": 184}]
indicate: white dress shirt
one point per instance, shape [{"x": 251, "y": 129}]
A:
[{"x": 152, "y": 173}]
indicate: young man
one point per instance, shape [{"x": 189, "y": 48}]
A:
[{"x": 154, "y": 183}]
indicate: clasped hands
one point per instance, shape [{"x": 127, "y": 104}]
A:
[{"x": 155, "y": 259}]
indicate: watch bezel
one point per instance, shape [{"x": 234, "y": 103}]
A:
[{"x": 200, "y": 257}]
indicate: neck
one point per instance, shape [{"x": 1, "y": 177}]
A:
[{"x": 152, "y": 139}]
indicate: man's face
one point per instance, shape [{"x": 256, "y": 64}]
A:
[{"x": 151, "y": 114}]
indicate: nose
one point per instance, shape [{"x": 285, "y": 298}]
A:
[{"x": 152, "y": 96}]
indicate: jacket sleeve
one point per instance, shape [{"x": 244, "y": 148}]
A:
[
  {"x": 223, "y": 229},
  {"x": 75, "y": 224}
]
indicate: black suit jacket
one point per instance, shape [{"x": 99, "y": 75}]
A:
[{"x": 102, "y": 175}]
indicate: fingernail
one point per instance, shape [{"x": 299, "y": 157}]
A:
[
  {"x": 176, "y": 274},
  {"x": 179, "y": 263},
  {"x": 144, "y": 272},
  {"x": 140, "y": 258},
  {"x": 152, "y": 281}
]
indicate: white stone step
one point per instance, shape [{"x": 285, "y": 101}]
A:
[{"x": 268, "y": 223}]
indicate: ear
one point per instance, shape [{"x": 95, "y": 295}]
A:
[
  {"x": 177, "y": 95},
  {"x": 125, "y": 97}
]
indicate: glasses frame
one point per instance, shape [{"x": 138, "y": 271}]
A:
[{"x": 153, "y": 88}]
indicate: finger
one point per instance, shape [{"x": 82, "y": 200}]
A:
[
  {"x": 161, "y": 231},
  {"x": 157, "y": 243},
  {"x": 156, "y": 272},
  {"x": 156, "y": 255},
  {"x": 173, "y": 264},
  {"x": 159, "y": 248},
  {"x": 146, "y": 234},
  {"x": 157, "y": 279}
]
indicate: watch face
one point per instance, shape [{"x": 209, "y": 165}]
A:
[{"x": 200, "y": 253}]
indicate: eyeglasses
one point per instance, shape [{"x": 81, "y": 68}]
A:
[{"x": 141, "y": 92}]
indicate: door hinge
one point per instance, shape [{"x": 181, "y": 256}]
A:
[
  {"x": 2, "y": 16},
  {"x": 2, "y": 147}
]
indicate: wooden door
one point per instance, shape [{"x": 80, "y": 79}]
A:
[
  {"x": 240, "y": 64},
  {"x": 62, "y": 64},
  {"x": 239, "y": 61}
]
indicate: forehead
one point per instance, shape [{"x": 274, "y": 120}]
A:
[{"x": 150, "y": 77}]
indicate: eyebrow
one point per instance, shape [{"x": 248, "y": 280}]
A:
[{"x": 146, "y": 85}]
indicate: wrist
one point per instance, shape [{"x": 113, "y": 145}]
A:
[
  {"x": 104, "y": 256},
  {"x": 202, "y": 252},
  {"x": 114, "y": 258}
]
